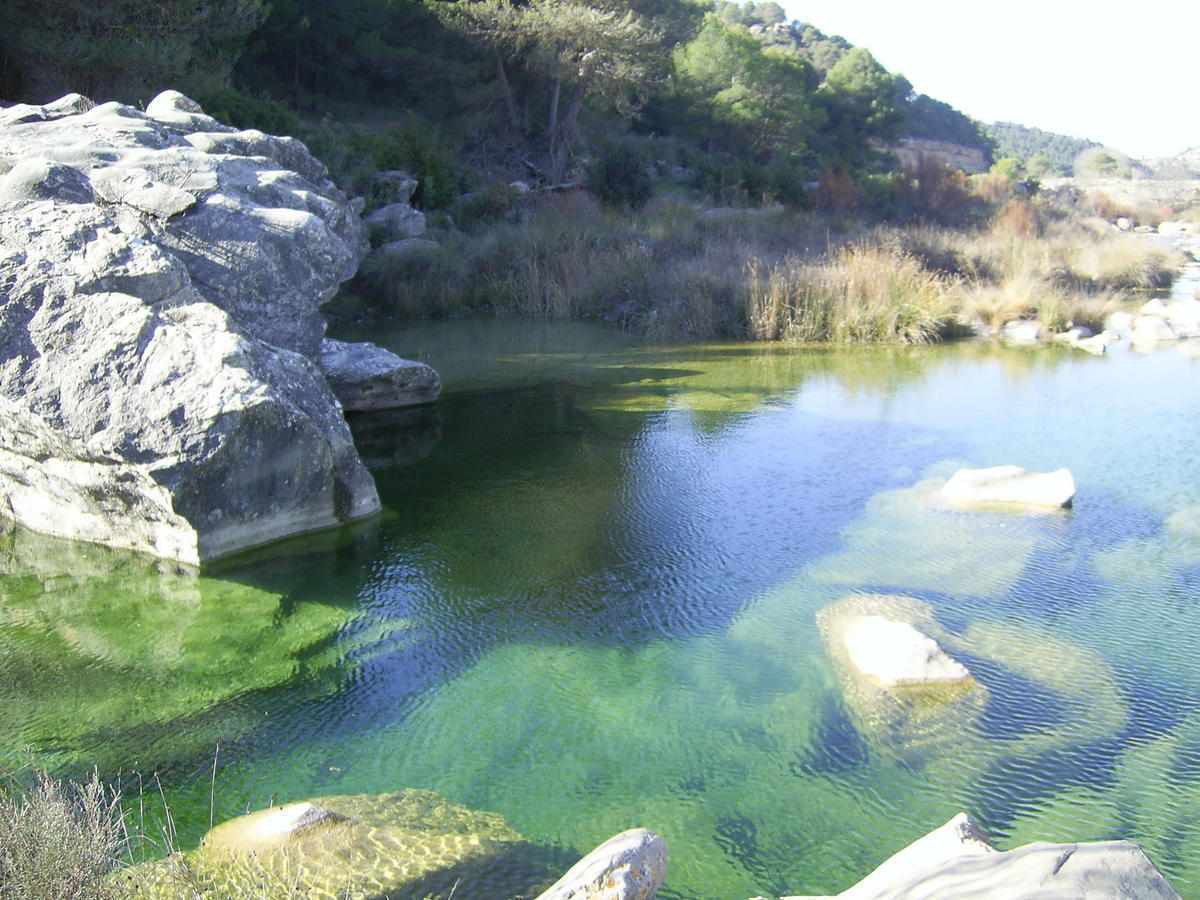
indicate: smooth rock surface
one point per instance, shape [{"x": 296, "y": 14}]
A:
[
  {"x": 896, "y": 653},
  {"x": 630, "y": 866},
  {"x": 1010, "y": 486},
  {"x": 397, "y": 221},
  {"x": 1152, "y": 329},
  {"x": 365, "y": 377},
  {"x": 158, "y": 307},
  {"x": 956, "y": 860}
]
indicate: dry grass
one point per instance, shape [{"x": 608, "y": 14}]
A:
[
  {"x": 674, "y": 271},
  {"x": 860, "y": 294}
]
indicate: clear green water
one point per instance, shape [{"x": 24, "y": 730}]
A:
[{"x": 589, "y": 604}]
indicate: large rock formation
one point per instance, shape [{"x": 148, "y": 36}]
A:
[
  {"x": 161, "y": 277},
  {"x": 957, "y": 861}
]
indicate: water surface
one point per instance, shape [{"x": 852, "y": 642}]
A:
[{"x": 590, "y": 604}]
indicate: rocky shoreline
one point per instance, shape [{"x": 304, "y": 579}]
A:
[{"x": 162, "y": 365}]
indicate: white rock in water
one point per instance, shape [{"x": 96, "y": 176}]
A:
[
  {"x": 1011, "y": 485},
  {"x": 1151, "y": 329},
  {"x": 896, "y": 653},
  {"x": 1097, "y": 345},
  {"x": 1022, "y": 331},
  {"x": 1184, "y": 318},
  {"x": 956, "y": 861},
  {"x": 630, "y": 866},
  {"x": 1154, "y": 307},
  {"x": 1120, "y": 322},
  {"x": 266, "y": 829}
]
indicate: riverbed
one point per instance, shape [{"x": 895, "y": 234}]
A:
[{"x": 590, "y": 601}]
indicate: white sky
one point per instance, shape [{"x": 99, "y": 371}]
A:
[{"x": 1123, "y": 73}]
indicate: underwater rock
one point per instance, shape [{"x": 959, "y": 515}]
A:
[
  {"x": 956, "y": 860},
  {"x": 411, "y": 843},
  {"x": 899, "y": 686},
  {"x": 1011, "y": 486},
  {"x": 365, "y": 377},
  {"x": 630, "y": 866}
]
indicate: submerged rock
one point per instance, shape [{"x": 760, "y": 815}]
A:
[
  {"x": 366, "y": 377},
  {"x": 630, "y": 866},
  {"x": 899, "y": 686},
  {"x": 956, "y": 860},
  {"x": 409, "y": 843},
  {"x": 1011, "y": 486},
  {"x": 161, "y": 277}
]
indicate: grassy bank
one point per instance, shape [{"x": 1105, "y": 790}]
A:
[{"x": 678, "y": 271}]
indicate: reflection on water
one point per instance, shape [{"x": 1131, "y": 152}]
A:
[{"x": 591, "y": 603}]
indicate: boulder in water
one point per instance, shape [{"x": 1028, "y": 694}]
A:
[
  {"x": 629, "y": 866},
  {"x": 1011, "y": 486}
]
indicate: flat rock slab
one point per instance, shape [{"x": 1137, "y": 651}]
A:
[
  {"x": 896, "y": 653},
  {"x": 956, "y": 860},
  {"x": 365, "y": 377},
  {"x": 1011, "y": 486}
]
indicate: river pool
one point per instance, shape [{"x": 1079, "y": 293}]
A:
[{"x": 590, "y": 604}]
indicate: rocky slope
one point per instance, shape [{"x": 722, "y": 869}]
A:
[{"x": 161, "y": 277}]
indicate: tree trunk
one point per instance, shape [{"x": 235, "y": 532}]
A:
[
  {"x": 510, "y": 102},
  {"x": 555, "y": 165}
]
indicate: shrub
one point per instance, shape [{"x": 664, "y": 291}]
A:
[
  {"x": 1018, "y": 218},
  {"x": 837, "y": 192},
  {"x": 619, "y": 177},
  {"x": 60, "y": 841},
  {"x": 247, "y": 111},
  {"x": 494, "y": 203}
]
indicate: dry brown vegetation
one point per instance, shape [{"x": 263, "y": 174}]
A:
[{"x": 675, "y": 271}]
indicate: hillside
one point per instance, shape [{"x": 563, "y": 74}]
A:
[{"x": 1046, "y": 152}]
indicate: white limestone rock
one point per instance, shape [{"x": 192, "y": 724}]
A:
[
  {"x": 1023, "y": 332},
  {"x": 1152, "y": 329},
  {"x": 1010, "y": 486},
  {"x": 895, "y": 653},
  {"x": 630, "y": 866},
  {"x": 159, "y": 311},
  {"x": 956, "y": 860}
]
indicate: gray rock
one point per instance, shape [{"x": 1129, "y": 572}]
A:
[
  {"x": 393, "y": 186},
  {"x": 630, "y": 866},
  {"x": 956, "y": 860},
  {"x": 156, "y": 377},
  {"x": 397, "y": 220},
  {"x": 365, "y": 377}
]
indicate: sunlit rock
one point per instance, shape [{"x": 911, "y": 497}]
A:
[
  {"x": 895, "y": 653},
  {"x": 162, "y": 282},
  {"x": 409, "y": 843},
  {"x": 1152, "y": 329},
  {"x": 629, "y": 866},
  {"x": 1024, "y": 332},
  {"x": 365, "y": 377},
  {"x": 898, "y": 683},
  {"x": 1011, "y": 486},
  {"x": 957, "y": 860}
]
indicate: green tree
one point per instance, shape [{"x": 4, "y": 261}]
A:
[
  {"x": 864, "y": 104},
  {"x": 766, "y": 94},
  {"x": 582, "y": 50},
  {"x": 126, "y": 49}
]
